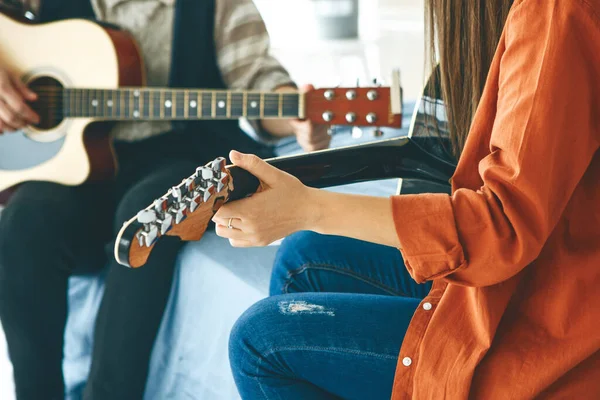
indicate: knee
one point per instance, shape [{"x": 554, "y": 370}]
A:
[
  {"x": 25, "y": 227},
  {"x": 294, "y": 253},
  {"x": 255, "y": 328}
]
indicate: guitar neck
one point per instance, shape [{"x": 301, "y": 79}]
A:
[
  {"x": 178, "y": 104},
  {"x": 386, "y": 159},
  {"x": 211, "y": 186}
]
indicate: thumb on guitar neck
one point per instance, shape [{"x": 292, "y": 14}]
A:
[{"x": 265, "y": 172}]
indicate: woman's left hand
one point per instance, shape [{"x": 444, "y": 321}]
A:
[{"x": 281, "y": 208}]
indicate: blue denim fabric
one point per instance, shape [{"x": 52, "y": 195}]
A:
[{"x": 338, "y": 327}]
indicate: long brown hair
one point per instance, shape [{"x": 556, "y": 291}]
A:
[{"x": 466, "y": 33}]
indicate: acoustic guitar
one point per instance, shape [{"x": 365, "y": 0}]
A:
[
  {"x": 86, "y": 74},
  {"x": 186, "y": 210}
]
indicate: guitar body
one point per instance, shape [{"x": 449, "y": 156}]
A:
[{"x": 71, "y": 53}]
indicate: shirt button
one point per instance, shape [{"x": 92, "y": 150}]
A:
[
  {"x": 406, "y": 361},
  {"x": 427, "y": 306}
]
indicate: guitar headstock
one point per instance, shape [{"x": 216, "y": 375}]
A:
[
  {"x": 184, "y": 211},
  {"x": 375, "y": 106}
]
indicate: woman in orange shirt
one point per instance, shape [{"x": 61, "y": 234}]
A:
[{"x": 513, "y": 253}]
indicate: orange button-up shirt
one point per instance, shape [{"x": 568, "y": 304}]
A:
[{"x": 514, "y": 252}]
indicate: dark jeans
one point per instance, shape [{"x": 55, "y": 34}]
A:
[
  {"x": 334, "y": 326},
  {"x": 49, "y": 231}
]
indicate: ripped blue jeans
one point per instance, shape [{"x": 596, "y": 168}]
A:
[{"x": 333, "y": 326}]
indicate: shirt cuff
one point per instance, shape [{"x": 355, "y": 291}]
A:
[{"x": 428, "y": 237}]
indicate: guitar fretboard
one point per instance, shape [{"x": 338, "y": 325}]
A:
[{"x": 175, "y": 104}]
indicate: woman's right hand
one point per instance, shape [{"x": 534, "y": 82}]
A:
[{"x": 14, "y": 111}]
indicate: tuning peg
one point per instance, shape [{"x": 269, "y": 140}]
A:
[
  {"x": 165, "y": 222},
  {"x": 176, "y": 192},
  {"x": 223, "y": 180},
  {"x": 188, "y": 183},
  {"x": 207, "y": 173},
  {"x": 148, "y": 237},
  {"x": 146, "y": 216},
  {"x": 372, "y": 95},
  {"x": 218, "y": 164},
  {"x": 160, "y": 205},
  {"x": 192, "y": 201},
  {"x": 371, "y": 118},
  {"x": 207, "y": 192},
  {"x": 177, "y": 211}
]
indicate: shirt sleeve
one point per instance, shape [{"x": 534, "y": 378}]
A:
[
  {"x": 544, "y": 136},
  {"x": 243, "y": 51}
]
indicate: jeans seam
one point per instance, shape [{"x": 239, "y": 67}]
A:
[
  {"x": 344, "y": 271},
  {"x": 260, "y": 360},
  {"x": 338, "y": 350}
]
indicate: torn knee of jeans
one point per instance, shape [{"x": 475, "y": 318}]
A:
[{"x": 302, "y": 307}]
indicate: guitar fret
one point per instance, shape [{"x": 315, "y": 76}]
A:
[
  {"x": 180, "y": 104},
  {"x": 74, "y": 100},
  {"x": 153, "y": 111},
  {"x": 270, "y": 105},
  {"x": 186, "y": 104},
  {"x": 280, "y": 105},
  {"x": 291, "y": 102},
  {"x": 200, "y": 104},
  {"x": 262, "y": 105},
  {"x": 222, "y": 100},
  {"x": 228, "y": 104},
  {"x": 167, "y": 104},
  {"x": 121, "y": 108},
  {"x": 252, "y": 105},
  {"x": 193, "y": 104},
  {"x": 129, "y": 104},
  {"x": 213, "y": 112},
  {"x": 110, "y": 103},
  {"x": 236, "y": 105},
  {"x": 126, "y": 110},
  {"x": 174, "y": 105},
  {"x": 144, "y": 104},
  {"x": 116, "y": 108},
  {"x": 72, "y": 103},
  {"x": 140, "y": 103},
  {"x": 133, "y": 104},
  {"x": 207, "y": 101},
  {"x": 137, "y": 104},
  {"x": 82, "y": 108},
  {"x": 245, "y": 104},
  {"x": 161, "y": 104},
  {"x": 90, "y": 96},
  {"x": 98, "y": 107}
]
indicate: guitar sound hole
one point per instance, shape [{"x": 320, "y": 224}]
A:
[{"x": 49, "y": 104}]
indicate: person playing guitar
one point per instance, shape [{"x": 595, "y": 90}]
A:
[{"x": 48, "y": 230}]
